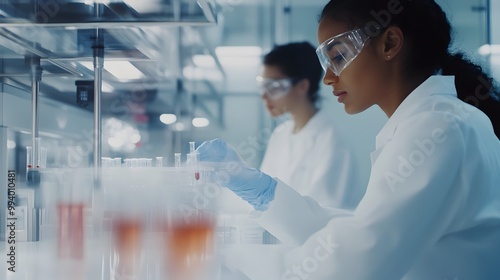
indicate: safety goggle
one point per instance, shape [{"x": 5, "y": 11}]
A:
[
  {"x": 337, "y": 52},
  {"x": 274, "y": 88}
]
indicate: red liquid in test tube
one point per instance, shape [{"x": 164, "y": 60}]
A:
[{"x": 70, "y": 230}]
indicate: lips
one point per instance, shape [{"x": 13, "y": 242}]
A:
[{"x": 340, "y": 94}]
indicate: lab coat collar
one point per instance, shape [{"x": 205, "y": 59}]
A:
[
  {"x": 432, "y": 86},
  {"x": 312, "y": 126}
]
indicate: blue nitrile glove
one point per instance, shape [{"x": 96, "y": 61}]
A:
[{"x": 250, "y": 184}]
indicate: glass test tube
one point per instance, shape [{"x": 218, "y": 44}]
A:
[
  {"x": 196, "y": 158},
  {"x": 159, "y": 161},
  {"x": 117, "y": 162},
  {"x": 29, "y": 157},
  {"x": 191, "y": 147},
  {"x": 70, "y": 229},
  {"x": 177, "y": 159}
]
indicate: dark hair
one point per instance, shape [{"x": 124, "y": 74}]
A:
[
  {"x": 428, "y": 31},
  {"x": 298, "y": 61}
]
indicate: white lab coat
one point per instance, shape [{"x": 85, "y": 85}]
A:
[
  {"x": 432, "y": 206},
  {"x": 317, "y": 161}
]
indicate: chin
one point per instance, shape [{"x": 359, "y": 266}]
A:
[
  {"x": 275, "y": 113},
  {"x": 353, "y": 110}
]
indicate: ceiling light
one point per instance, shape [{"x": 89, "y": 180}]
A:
[
  {"x": 200, "y": 122},
  {"x": 489, "y": 49},
  {"x": 204, "y": 60},
  {"x": 179, "y": 126},
  {"x": 196, "y": 73},
  {"x": 239, "y": 51},
  {"x": 115, "y": 142},
  {"x": 168, "y": 118},
  {"x": 122, "y": 70},
  {"x": 142, "y": 6}
]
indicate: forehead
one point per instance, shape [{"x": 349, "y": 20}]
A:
[
  {"x": 273, "y": 72},
  {"x": 329, "y": 27}
]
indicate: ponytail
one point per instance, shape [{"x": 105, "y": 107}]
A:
[{"x": 474, "y": 86}]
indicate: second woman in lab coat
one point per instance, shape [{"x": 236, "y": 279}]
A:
[
  {"x": 432, "y": 205},
  {"x": 308, "y": 152}
]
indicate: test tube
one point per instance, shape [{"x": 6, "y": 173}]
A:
[
  {"x": 159, "y": 161},
  {"x": 29, "y": 157},
  {"x": 196, "y": 159},
  {"x": 149, "y": 162},
  {"x": 127, "y": 253},
  {"x": 191, "y": 147},
  {"x": 70, "y": 229},
  {"x": 177, "y": 159},
  {"x": 105, "y": 161},
  {"x": 117, "y": 162}
]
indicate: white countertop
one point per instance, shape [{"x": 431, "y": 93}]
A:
[{"x": 38, "y": 261}]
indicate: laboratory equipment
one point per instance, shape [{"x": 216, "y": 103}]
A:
[
  {"x": 250, "y": 184},
  {"x": 73, "y": 191},
  {"x": 159, "y": 161},
  {"x": 36, "y": 158},
  {"x": 177, "y": 159},
  {"x": 70, "y": 229},
  {"x": 193, "y": 159},
  {"x": 189, "y": 234}
]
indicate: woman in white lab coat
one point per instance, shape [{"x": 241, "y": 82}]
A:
[
  {"x": 432, "y": 205},
  {"x": 308, "y": 152}
]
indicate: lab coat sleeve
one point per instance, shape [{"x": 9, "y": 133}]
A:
[
  {"x": 411, "y": 200},
  {"x": 292, "y": 218}
]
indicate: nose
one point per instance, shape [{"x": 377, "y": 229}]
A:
[{"x": 330, "y": 78}]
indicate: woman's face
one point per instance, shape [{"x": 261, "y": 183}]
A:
[
  {"x": 277, "y": 107},
  {"x": 360, "y": 85}
]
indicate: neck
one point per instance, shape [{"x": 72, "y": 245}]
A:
[
  {"x": 302, "y": 115},
  {"x": 398, "y": 92}
]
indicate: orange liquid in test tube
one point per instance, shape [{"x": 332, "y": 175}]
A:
[
  {"x": 128, "y": 244},
  {"x": 70, "y": 230},
  {"x": 190, "y": 248}
]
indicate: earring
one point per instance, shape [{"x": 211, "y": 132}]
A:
[{"x": 388, "y": 57}]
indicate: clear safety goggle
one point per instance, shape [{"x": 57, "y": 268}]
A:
[
  {"x": 274, "y": 88},
  {"x": 337, "y": 52}
]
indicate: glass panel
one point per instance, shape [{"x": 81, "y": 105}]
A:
[{"x": 107, "y": 12}]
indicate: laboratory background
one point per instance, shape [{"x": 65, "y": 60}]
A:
[{"x": 151, "y": 76}]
